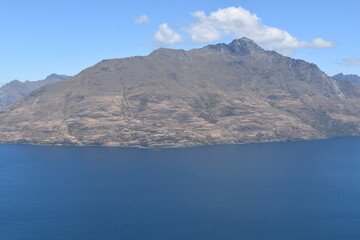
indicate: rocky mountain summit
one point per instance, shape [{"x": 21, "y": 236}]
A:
[
  {"x": 15, "y": 90},
  {"x": 219, "y": 94},
  {"x": 347, "y": 77}
]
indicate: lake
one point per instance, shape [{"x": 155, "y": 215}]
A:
[{"x": 295, "y": 190}]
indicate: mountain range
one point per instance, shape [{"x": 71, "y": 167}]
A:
[
  {"x": 218, "y": 94},
  {"x": 347, "y": 77},
  {"x": 15, "y": 90}
]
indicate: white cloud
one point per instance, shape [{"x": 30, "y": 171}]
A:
[
  {"x": 165, "y": 35},
  {"x": 142, "y": 19},
  {"x": 238, "y": 22},
  {"x": 321, "y": 43},
  {"x": 350, "y": 62}
]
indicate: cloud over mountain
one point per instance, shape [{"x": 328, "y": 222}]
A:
[
  {"x": 237, "y": 22},
  {"x": 165, "y": 35}
]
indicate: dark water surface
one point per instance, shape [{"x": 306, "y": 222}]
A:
[{"x": 300, "y": 190}]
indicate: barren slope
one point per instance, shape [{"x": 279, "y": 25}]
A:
[{"x": 234, "y": 93}]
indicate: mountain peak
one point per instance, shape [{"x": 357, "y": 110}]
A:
[
  {"x": 347, "y": 77},
  {"x": 242, "y": 46},
  {"x": 339, "y": 75},
  {"x": 167, "y": 52},
  {"x": 245, "y": 46},
  {"x": 14, "y": 83},
  {"x": 243, "y": 40},
  {"x": 55, "y": 76}
]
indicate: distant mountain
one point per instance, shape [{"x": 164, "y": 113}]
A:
[
  {"x": 349, "y": 77},
  {"x": 15, "y": 90},
  {"x": 219, "y": 94}
]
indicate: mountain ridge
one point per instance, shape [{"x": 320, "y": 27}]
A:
[
  {"x": 15, "y": 90},
  {"x": 353, "y": 78},
  {"x": 218, "y": 94}
]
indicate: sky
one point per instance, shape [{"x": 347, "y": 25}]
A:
[{"x": 39, "y": 38}]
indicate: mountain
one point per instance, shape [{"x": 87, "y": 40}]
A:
[
  {"x": 218, "y": 94},
  {"x": 15, "y": 90},
  {"x": 349, "y": 77}
]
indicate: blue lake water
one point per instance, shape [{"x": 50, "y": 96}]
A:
[{"x": 298, "y": 190}]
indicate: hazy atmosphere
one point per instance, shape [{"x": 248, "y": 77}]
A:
[{"x": 44, "y": 37}]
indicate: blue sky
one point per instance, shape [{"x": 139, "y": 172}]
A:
[{"x": 43, "y": 37}]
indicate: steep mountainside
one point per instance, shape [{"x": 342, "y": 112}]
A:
[
  {"x": 15, "y": 90},
  {"x": 224, "y": 93},
  {"x": 349, "y": 77}
]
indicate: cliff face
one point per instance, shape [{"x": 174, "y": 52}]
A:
[
  {"x": 224, "y": 93},
  {"x": 15, "y": 90}
]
